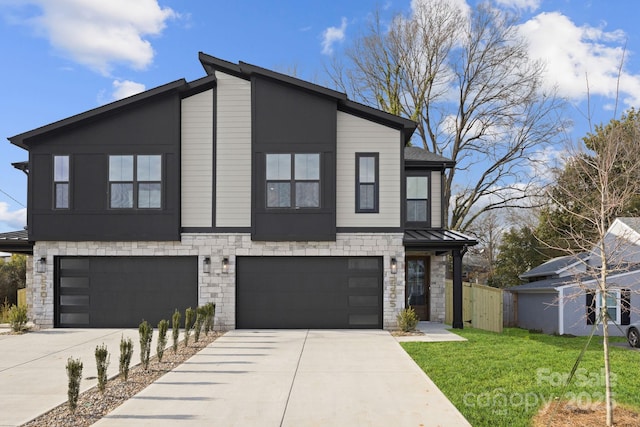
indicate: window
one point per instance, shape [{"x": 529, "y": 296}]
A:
[
  {"x": 366, "y": 182},
  {"x": 293, "y": 180},
  {"x": 417, "y": 198},
  {"x": 618, "y": 304},
  {"x": 135, "y": 181},
  {"x": 61, "y": 182}
]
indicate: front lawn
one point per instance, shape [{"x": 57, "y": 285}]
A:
[{"x": 504, "y": 379}]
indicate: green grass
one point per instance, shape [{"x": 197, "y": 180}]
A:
[{"x": 503, "y": 379}]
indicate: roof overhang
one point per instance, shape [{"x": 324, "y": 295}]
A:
[
  {"x": 437, "y": 240},
  {"x": 16, "y": 242}
]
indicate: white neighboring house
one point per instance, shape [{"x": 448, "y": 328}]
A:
[{"x": 561, "y": 295}]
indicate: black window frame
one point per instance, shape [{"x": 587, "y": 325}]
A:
[
  {"x": 136, "y": 183},
  {"x": 292, "y": 181},
  {"x": 62, "y": 182},
  {"x": 375, "y": 183},
  {"x": 427, "y": 222}
]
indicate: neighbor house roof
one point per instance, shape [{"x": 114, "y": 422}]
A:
[
  {"x": 631, "y": 222},
  {"x": 556, "y": 266},
  {"x": 543, "y": 286}
]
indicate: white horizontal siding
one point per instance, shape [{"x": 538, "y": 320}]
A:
[
  {"x": 233, "y": 152},
  {"x": 436, "y": 199},
  {"x": 197, "y": 160},
  {"x": 357, "y": 135}
]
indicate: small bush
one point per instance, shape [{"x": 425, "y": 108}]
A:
[
  {"x": 74, "y": 373},
  {"x": 407, "y": 319},
  {"x": 175, "y": 324},
  {"x": 4, "y": 311},
  {"x": 18, "y": 318},
  {"x": 189, "y": 315},
  {"x": 201, "y": 314},
  {"x": 210, "y": 311},
  {"x": 102, "y": 363},
  {"x": 146, "y": 335},
  {"x": 126, "y": 351},
  {"x": 163, "y": 326}
]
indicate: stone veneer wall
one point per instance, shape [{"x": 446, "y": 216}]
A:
[
  {"x": 438, "y": 273},
  {"x": 219, "y": 287}
]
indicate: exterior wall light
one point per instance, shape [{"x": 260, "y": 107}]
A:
[
  {"x": 225, "y": 265},
  {"x": 206, "y": 265},
  {"x": 41, "y": 265},
  {"x": 394, "y": 265}
]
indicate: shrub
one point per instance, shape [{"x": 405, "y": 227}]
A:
[
  {"x": 189, "y": 315},
  {"x": 201, "y": 314},
  {"x": 407, "y": 319},
  {"x": 146, "y": 335},
  {"x": 4, "y": 311},
  {"x": 210, "y": 311},
  {"x": 126, "y": 351},
  {"x": 163, "y": 326},
  {"x": 175, "y": 324},
  {"x": 102, "y": 363},
  {"x": 18, "y": 318},
  {"x": 74, "y": 373}
]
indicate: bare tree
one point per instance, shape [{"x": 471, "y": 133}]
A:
[
  {"x": 468, "y": 82},
  {"x": 600, "y": 182}
]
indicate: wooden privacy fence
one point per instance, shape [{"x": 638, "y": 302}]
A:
[
  {"x": 481, "y": 306},
  {"x": 22, "y": 297}
]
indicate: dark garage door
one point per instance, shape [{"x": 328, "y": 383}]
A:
[
  {"x": 119, "y": 292},
  {"x": 309, "y": 292}
]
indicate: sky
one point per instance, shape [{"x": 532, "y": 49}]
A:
[{"x": 63, "y": 57}]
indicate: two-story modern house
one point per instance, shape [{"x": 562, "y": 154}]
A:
[{"x": 281, "y": 201}]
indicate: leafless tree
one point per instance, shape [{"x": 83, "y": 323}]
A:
[
  {"x": 601, "y": 181},
  {"x": 469, "y": 83}
]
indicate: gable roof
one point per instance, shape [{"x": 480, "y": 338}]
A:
[
  {"x": 555, "y": 266},
  {"x": 631, "y": 222},
  {"x": 543, "y": 286},
  {"x": 244, "y": 70}
]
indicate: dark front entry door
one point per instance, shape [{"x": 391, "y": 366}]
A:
[{"x": 417, "y": 285}]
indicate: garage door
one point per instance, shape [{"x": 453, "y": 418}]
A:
[
  {"x": 119, "y": 292},
  {"x": 309, "y": 292}
]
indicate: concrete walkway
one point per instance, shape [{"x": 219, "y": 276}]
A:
[
  {"x": 431, "y": 332},
  {"x": 293, "y": 378}
]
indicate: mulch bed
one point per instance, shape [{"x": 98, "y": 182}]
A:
[{"x": 570, "y": 415}]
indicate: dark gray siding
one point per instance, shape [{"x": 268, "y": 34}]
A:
[
  {"x": 149, "y": 127},
  {"x": 288, "y": 119}
]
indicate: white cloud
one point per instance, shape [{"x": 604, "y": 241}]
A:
[
  {"x": 13, "y": 220},
  {"x": 125, "y": 88},
  {"x": 333, "y": 35},
  {"x": 99, "y": 34},
  {"x": 531, "y": 5},
  {"x": 576, "y": 55}
]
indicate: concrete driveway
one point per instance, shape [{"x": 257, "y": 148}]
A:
[{"x": 293, "y": 378}]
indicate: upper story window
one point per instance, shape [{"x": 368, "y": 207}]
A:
[
  {"x": 293, "y": 180},
  {"x": 367, "y": 182},
  {"x": 135, "y": 181},
  {"x": 417, "y": 199},
  {"x": 61, "y": 182}
]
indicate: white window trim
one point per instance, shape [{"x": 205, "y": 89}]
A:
[{"x": 618, "y": 318}]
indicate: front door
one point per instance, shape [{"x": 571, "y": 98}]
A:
[{"x": 417, "y": 285}]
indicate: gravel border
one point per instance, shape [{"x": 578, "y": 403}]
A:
[{"x": 92, "y": 405}]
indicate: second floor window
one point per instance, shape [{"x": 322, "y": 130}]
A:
[
  {"x": 366, "y": 182},
  {"x": 293, "y": 180},
  {"x": 417, "y": 198},
  {"x": 61, "y": 182},
  {"x": 135, "y": 182}
]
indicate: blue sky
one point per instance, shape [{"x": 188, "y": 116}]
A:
[{"x": 64, "y": 57}]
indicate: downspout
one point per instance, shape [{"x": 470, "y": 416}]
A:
[{"x": 560, "y": 311}]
